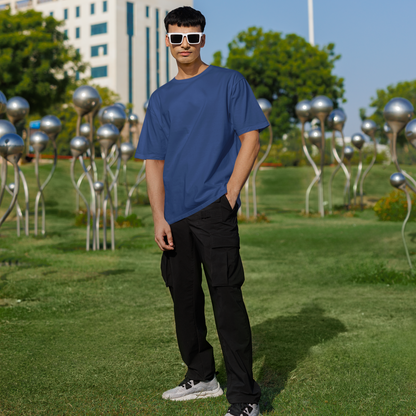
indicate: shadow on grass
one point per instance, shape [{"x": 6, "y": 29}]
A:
[{"x": 282, "y": 342}]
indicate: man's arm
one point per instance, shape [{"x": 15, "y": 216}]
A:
[
  {"x": 250, "y": 146},
  {"x": 156, "y": 191}
]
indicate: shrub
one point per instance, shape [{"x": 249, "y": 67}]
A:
[
  {"x": 393, "y": 207},
  {"x": 131, "y": 221},
  {"x": 379, "y": 273}
]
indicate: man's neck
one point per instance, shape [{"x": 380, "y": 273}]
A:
[{"x": 186, "y": 71}]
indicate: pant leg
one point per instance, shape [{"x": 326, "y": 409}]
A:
[
  {"x": 181, "y": 270},
  {"x": 216, "y": 235}
]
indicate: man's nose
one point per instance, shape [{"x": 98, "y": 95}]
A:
[{"x": 185, "y": 43}]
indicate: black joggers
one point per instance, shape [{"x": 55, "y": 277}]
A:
[{"x": 211, "y": 237}]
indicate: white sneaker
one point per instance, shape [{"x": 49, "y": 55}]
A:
[
  {"x": 244, "y": 409},
  {"x": 192, "y": 389}
]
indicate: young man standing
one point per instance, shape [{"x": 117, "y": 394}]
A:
[{"x": 200, "y": 139}]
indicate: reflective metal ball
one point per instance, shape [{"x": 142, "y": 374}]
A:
[
  {"x": 127, "y": 151},
  {"x": 303, "y": 111},
  {"x": 107, "y": 135},
  {"x": 100, "y": 114},
  {"x": 398, "y": 112},
  {"x": 133, "y": 119},
  {"x": 146, "y": 105},
  {"x": 3, "y": 103},
  {"x": 114, "y": 115},
  {"x": 337, "y": 119},
  {"x": 85, "y": 130},
  {"x": 121, "y": 105},
  {"x": 98, "y": 187},
  {"x": 6, "y": 127},
  {"x": 265, "y": 106},
  {"x": 321, "y": 106},
  {"x": 11, "y": 147},
  {"x": 315, "y": 137},
  {"x": 17, "y": 109},
  {"x": 51, "y": 125},
  {"x": 410, "y": 132},
  {"x": 397, "y": 180},
  {"x": 348, "y": 152},
  {"x": 369, "y": 127},
  {"x": 358, "y": 140},
  {"x": 79, "y": 145},
  {"x": 11, "y": 186},
  {"x": 39, "y": 140},
  {"x": 85, "y": 99}
]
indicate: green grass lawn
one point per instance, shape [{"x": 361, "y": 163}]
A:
[{"x": 92, "y": 333}]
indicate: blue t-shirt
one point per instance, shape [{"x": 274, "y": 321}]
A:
[{"x": 193, "y": 125}]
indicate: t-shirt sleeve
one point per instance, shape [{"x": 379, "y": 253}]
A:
[
  {"x": 246, "y": 114},
  {"x": 152, "y": 141}
]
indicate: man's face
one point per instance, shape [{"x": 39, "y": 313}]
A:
[{"x": 185, "y": 53}]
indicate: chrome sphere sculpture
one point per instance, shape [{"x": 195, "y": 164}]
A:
[
  {"x": 321, "y": 106},
  {"x": 369, "y": 127},
  {"x": 100, "y": 114},
  {"x": 85, "y": 130},
  {"x": 315, "y": 137},
  {"x": 85, "y": 99},
  {"x": 114, "y": 114},
  {"x": 266, "y": 107},
  {"x": 3, "y": 103},
  {"x": 127, "y": 151},
  {"x": 336, "y": 121},
  {"x": 11, "y": 149},
  {"x": 304, "y": 114},
  {"x": 358, "y": 140},
  {"x": 107, "y": 136},
  {"x": 17, "y": 109},
  {"x": 145, "y": 106},
  {"x": 19, "y": 215},
  {"x": 398, "y": 181},
  {"x": 121, "y": 105},
  {"x": 397, "y": 113},
  {"x": 410, "y": 132},
  {"x": 39, "y": 141},
  {"x": 348, "y": 154},
  {"x": 79, "y": 145},
  {"x": 98, "y": 188},
  {"x": 133, "y": 119}
]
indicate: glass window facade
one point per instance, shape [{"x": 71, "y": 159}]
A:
[
  {"x": 76, "y": 76},
  {"x": 77, "y": 11},
  {"x": 92, "y": 8},
  {"x": 98, "y": 50},
  {"x": 99, "y": 72},
  {"x": 98, "y": 29},
  {"x": 130, "y": 33},
  {"x": 66, "y": 34},
  {"x": 104, "y": 6},
  {"x": 51, "y": 14},
  {"x": 147, "y": 11},
  {"x": 148, "y": 62},
  {"x": 77, "y": 33},
  {"x": 65, "y": 14}
]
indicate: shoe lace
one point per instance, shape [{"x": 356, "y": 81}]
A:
[
  {"x": 240, "y": 409},
  {"x": 188, "y": 383}
]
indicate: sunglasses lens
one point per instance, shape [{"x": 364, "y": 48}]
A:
[
  {"x": 195, "y": 38},
  {"x": 177, "y": 39}
]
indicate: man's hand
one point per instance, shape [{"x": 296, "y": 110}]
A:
[
  {"x": 232, "y": 197},
  {"x": 163, "y": 234}
]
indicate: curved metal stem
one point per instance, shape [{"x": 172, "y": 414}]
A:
[
  {"x": 141, "y": 175},
  {"x": 373, "y": 160},
  {"x": 396, "y": 162},
  {"x": 19, "y": 213},
  {"x": 256, "y": 168},
  {"x": 308, "y": 191},
  {"x": 321, "y": 174},
  {"x": 115, "y": 181},
  {"x": 347, "y": 190},
  {"x": 107, "y": 198},
  {"x": 357, "y": 178},
  {"x": 409, "y": 211},
  {"x": 84, "y": 199},
  {"x": 26, "y": 190},
  {"x": 39, "y": 196},
  {"x": 14, "y": 198},
  {"x": 247, "y": 195},
  {"x": 3, "y": 175}
]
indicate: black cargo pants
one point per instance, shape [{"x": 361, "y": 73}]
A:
[{"x": 211, "y": 237}]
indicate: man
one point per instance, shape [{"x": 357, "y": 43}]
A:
[{"x": 200, "y": 139}]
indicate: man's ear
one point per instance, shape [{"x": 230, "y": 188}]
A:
[{"x": 167, "y": 43}]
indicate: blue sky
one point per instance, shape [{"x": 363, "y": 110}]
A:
[{"x": 374, "y": 37}]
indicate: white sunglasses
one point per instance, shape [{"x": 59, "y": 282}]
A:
[{"x": 192, "y": 38}]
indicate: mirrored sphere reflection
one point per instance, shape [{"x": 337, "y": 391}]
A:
[
  {"x": 265, "y": 106},
  {"x": 121, "y": 105},
  {"x": 107, "y": 135},
  {"x": 17, "y": 109},
  {"x": 127, "y": 151},
  {"x": 397, "y": 179},
  {"x": 98, "y": 187},
  {"x": 410, "y": 132},
  {"x": 133, "y": 119},
  {"x": 358, "y": 140},
  {"x": 303, "y": 111},
  {"x": 398, "y": 112},
  {"x": 336, "y": 119},
  {"x": 321, "y": 106},
  {"x": 11, "y": 147},
  {"x": 369, "y": 127},
  {"x": 145, "y": 105},
  {"x": 348, "y": 152},
  {"x": 85, "y": 130},
  {"x": 6, "y": 127},
  {"x": 79, "y": 145},
  {"x": 39, "y": 141},
  {"x": 11, "y": 186},
  {"x": 114, "y": 115},
  {"x": 315, "y": 137},
  {"x": 51, "y": 125},
  {"x": 85, "y": 99}
]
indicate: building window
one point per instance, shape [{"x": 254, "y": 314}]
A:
[
  {"x": 148, "y": 62},
  {"x": 51, "y": 14},
  {"x": 157, "y": 50},
  {"x": 147, "y": 11},
  {"x": 92, "y": 8},
  {"x": 77, "y": 51},
  {"x": 66, "y": 34},
  {"x": 99, "y": 72},
  {"x": 77, "y": 33},
  {"x": 104, "y": 6},
  {"x": 77, "y": 11},
  {"x": 65, "y": 14},
  {"x": 98, "y": 29},
  {"x": 98, "y": 50},
  {"x": 76, "y": 76},
  {"x": 130, "y": 33}
]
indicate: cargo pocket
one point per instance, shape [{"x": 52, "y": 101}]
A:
[
  {"x": 166, "y": 269},
  {"x": 226, "y": 266}
]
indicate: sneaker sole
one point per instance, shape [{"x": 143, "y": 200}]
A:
[{"x": 200, "y": 395}]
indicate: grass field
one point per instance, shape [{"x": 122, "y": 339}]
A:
[{"x": 93, "y": 333}]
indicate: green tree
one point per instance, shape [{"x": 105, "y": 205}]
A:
[
  {"x": 406, "y": 89},
  {"x": 35, "y": 63},
  {"x": 285, "y": 70}
]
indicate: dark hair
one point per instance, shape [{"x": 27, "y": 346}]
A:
[{"x": 185, "y": 16}]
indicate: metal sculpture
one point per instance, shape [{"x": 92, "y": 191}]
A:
[
  {"x": 107, "y": 136},
  {"x": 368, "y": 127},
  {"x": 86, "y": 99},
  {"x": 133, "y": 120},
  {"x": 348, "y": 154},
  {"x": 79, "y": 145},
  {"x": 5, "y": 128},
  {"x": 266, "y": 107},
  {"x": 3, "y": 103},
  {"x": 19, "y": 214},
  {"x": 85, "y": 130},
  {"x": 315, "y": 138},
  {"x": 399, "y": 182},
  {"x": 389, "y": 134},
  {"x": 98, "y": 188},
  {"x": 303, "y": 112},
  {"x": 336, "y": 121},
  {"x": 39, "y": 141},
  {"x": 321, "y": 106},
  {"x": 358, "y": 140},
  {"x": 397, "y": 113},
  {"x": 127, "y": 151},
  {"x": 11, "y": 149}
]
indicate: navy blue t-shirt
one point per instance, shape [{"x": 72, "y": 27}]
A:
[{"x": 193, "y": 125}]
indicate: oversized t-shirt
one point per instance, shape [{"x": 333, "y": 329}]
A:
[{"x": 193, "y": 125}]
